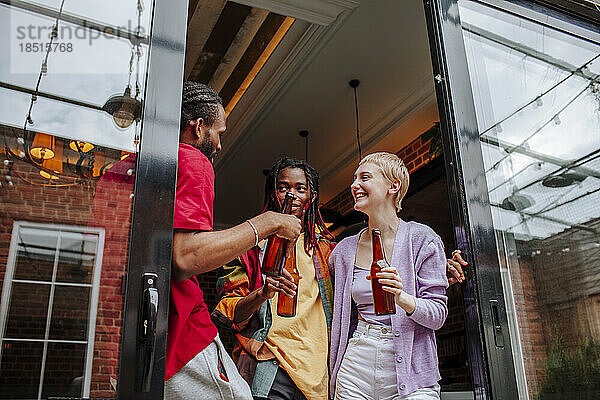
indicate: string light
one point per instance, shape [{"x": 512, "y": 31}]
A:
[
  {"x": 556, "y": 120},
  {"x": 539, "y": 102}
]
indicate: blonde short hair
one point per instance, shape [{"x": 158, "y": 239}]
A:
[{"x": 393, "y": 170}]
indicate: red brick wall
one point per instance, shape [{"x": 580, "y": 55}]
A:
[
  {"x": 414, "y": 155},
  {"x": 71, "y": 206},
  {"x": 530, "y": 321}
]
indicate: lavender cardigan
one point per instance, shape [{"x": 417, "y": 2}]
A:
[{"x": 419, "y": 257}]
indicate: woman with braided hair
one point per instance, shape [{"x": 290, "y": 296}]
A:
[
  {"x": 275, "y": 190},
  {"x": 280, "y": 357}
]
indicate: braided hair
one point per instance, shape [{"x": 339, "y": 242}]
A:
[
  {"x": 199, "y": 101},
  {"x": 312, "y": 216}
]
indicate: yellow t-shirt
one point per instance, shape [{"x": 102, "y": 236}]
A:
[{"x": 300, "y": 343}]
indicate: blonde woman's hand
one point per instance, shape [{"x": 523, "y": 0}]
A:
[
  {"x": 454, "y": 270},
  {"x": 392, "y": 283}
]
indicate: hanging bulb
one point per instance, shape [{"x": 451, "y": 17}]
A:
[
  {"x": 29, "y": 120},
  {"x": 22, "y": 154},
  {"x": 124, "y": 109},
  {"x": 539, "y": 102},
  {"x": 556, "y": 120}
]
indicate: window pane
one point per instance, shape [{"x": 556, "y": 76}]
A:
[
  {"x": 84, "y": 64},
  {"x": 76, "y": 257},
  {"x": 20, "y": 370},
  {"x": 70, "y": 313},
  {"x": 115, "y": 12},
  {"x": 63, "y": 375},
  {"x": 540, "y": 135},
  {"x": 27, "y": 312},
  {"x": 71, "y": 172},
  {"x": 36, "y": 250}
]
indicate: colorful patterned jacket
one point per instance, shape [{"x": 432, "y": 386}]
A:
[{"x": 242, "y": 276}]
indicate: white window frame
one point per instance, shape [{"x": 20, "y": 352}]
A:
[{"x": 93, "y": 304}]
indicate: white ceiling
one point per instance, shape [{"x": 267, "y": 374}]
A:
[{"x": 304, "y": 85}]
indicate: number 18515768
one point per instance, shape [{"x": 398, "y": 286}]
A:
[{"x": 38, "y": 47}]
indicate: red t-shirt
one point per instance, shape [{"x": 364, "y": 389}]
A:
[{"x": 190, "y": 326}]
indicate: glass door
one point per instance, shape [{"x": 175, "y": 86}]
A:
[
  {"x": 519, "y": 89},
  {"x": 85, "y": 238}
]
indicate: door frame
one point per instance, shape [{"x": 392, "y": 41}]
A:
[
  {"x": 151, "y": 236},
  {"x": 445, "y": 37},
  {"x": 492, "y": 367}
]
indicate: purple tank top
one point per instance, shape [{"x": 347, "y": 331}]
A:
[{"x": 362, "y": 295}]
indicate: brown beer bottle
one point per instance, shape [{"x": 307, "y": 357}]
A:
[
  {"x": 383, "y": 302},
  {"x": 272, "y": 264},
  {"x": 286, "y": 306}
]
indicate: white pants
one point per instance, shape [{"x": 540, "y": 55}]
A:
[
  {"x": 368, "y": 370},
  {"x": 210, "y": 375}
]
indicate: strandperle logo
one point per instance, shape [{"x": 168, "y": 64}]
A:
[
  {"x": 73, "y": 48},
  {"x": 85, "y": 34}
]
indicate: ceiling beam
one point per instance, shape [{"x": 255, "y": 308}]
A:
[
  {"x": 238, "y": 47},
  {"x": 320, "y": 12},
  {"x": 201, "y": 24}
]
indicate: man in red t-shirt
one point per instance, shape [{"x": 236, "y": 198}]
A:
[{"x": 197, "y": 364}]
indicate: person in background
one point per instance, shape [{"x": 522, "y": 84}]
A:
[{"x": 391, "y": 356}]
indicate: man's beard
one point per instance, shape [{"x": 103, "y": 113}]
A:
[{"x": 206, "y": 147}]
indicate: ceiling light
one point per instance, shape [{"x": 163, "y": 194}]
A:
[
  {"x": 42, "y": 146},
  {"x": 517, "y": 202},
  {"x": 80, "y": 146},
  {"x": 124, "y": 109},
  {"x": 563, "y": 180}
]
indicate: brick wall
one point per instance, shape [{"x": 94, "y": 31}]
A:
[
  {"x": 530, "y": 321},
  {"x": 72, "y": 205},
  {"x": 414, "y": 155},
  {"x": 556, "y": 299}
]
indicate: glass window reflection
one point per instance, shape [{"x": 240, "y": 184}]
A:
[{"x": 537, "y": 100}]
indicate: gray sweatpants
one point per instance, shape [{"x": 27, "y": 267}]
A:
[{"x": 210, "y": 375}]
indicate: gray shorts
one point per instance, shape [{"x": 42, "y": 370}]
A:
[{"x": 210, "y": 375}]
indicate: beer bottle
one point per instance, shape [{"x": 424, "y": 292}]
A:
[
  {"x": 383, "y": 302},
  {"x": 286, "y": 306},
  {"x": 272, "y": 264}
]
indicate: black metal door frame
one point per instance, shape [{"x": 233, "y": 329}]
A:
[
  {"x": 149, "y": 269},
  {"x": 488, "y": 336},
  {"x": 444, "y": 30}
]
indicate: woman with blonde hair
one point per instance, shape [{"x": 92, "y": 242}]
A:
[{"x": 390, "y": 356}]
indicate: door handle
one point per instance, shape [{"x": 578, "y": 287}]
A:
[
  {"x": 148, "y": 328},
  {"x": 498, "y": 334}
]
